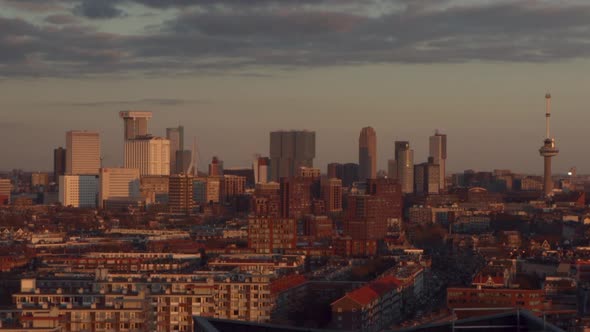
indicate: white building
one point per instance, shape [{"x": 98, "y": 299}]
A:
[
  {"x": 151, "y": 155},
  {"x": 82, "y": 152},
  {"x": 78, "y": 190},
  {"x": 119, "y": 184}
]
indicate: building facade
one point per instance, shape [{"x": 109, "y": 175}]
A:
[
  {"x": 121, "y": 184},
  {"x": 290, "y": 150},
  {"x": 80, "y": 191},
  {"x": 367, "y": 154},
  {"x": 82, "y": 153},
  {"x": 151, "y": 155}
]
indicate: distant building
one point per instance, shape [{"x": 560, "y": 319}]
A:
[
  {"x": 135, "y": 123},
  {"x": 82, "y": 153},
  {"x": 367, "y": 154},
  {"x": 427, "y": 178},
  {"x": 59, "y": 163},
  {"x": 39, "y": 180},
  {"x": 245, "y": 172},
  {"x": 216, "y": 167},
  {"x": 183, "y": 160},
  {"x": 261, "y": 169},
  {"x": 80, "y": 191},
  {"x": 438, "y": 152},
  {"x": 200, "y": 190},
  {"x": 214, "y": 189},
  {"x": 296, "y": 197},
  {"x": 402, "y": 167},
  {"x": 332, "y": 194},
  {"x": 290, "y": 150},
  {"x": 5, "y": 191},
  {"x": 233, "y": 186},
  {"x": 154, "y": 188},
  {"x": 151, "y": 155},
  {"x": 121, "y": 184},
  {"x": 176, "y": 138},
  {"x": 180, "y": 195}
]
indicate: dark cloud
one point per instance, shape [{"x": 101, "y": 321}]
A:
[
  {"x": 61, "y": 19},
  {"x": 236, "y": 36},
  {"x": 101, "y": 9}
]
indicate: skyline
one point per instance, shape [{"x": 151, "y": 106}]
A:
[{"x": 404, "y": 68}]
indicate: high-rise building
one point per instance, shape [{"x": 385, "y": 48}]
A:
[
  {"x": 216, "y": 167},
  {"x": 176, "y": 138},
  {"x": 233, "y": 186},
  {"x": 290, "y": 150},
  {"x": 200, "y": 190},
  {"x": 118, "y": 184},
  {"x": 5, "y": 191},
  {"x": 214, "y": 184},
  {"x": 438, "y": 152},
  {"x": 296, "y": 196},
  {"x": 548, "y": 150},
  {"x": 180, "y": 196},
  {"x": 80, "y": 191},
  {"x": 367, "y": 154},
  {"x": 183, "y": 161},
  {"x": 309, "y": 172},
  {"x": 135, "y": 123},
  {"x": 335, "y": 171},
  {"x": 260, "y": 167},
  {"x": 82, "y": 153},
  {"x": 350, "y": 174},
  {"x": 59, "y": 163},
  {"x": 427, "y": 177},
  {"x": 402, "y": 168},
  {"x": 151, "y": 155},
  {"x": 332, "y": 194}
]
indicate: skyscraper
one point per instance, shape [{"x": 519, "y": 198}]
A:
[
  {"x": 427, "y": 177},
  {"x": 135, "y": 123},
  {"x": 180, "y": 196},
  {"x": 151, "y": 155},
  {"x": 548, "y": 150},
  {"x": 176, "y": 138},
  {"x": 260, "y": 167},
  {"x": 402, "y": 168},
  {"x": 80, "y": 191},
  {"x": 118, "y": 184},
  {"x": 290, "y": 150},
  {"x": 59, "y": 163},
  {"x": 367, "y": 154},
  {"x": 82, "y": 152},
  {"x": 216, "y": 167},
  {"x": 438, "y": 152}
]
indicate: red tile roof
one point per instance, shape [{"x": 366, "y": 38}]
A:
[{"x": 287, "y": 282}]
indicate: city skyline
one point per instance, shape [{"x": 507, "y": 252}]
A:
[{"x": 484, "y": 93}]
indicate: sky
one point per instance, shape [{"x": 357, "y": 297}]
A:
[{"x": 231, "y": 71}]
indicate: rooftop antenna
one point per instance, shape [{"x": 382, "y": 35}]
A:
[{"x": 547, "y": 114}]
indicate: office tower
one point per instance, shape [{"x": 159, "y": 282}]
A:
[
  {"x": 5, "y": 191},
  {"x": 296, "y": 196},
  {"x": 200, "y": 191},
  {"x": 350, "y": 174},
  {"x": 260, "y": 167},
  {"x": 268, "y": 235},
  {"x": 118, "y": 184},
  {"x": 216, "y": 167},
  {"x": 180, "y": 196},
  {"x": 82, "y": 153},
  {"x": 151, "y": 155},
  {"x": 135, "y": 123},
  {"x": 427, "y": 177},
  {"x": 367, "y": 154},
  {"x": 438, "y": 152},
  {"x": 290, "y": 150},
  {"x": 59, "y": 163},
  {"x": 548, "y": 150},
  {"x": 183, "y": 161},
  {"x": 233, "y": 186},
  {"x": 176, "y": 138},
  {"x": 402, "y": 168},
  {"x": 214, "y": 184},
  {"x": 332, "y": 194},
  {"x": 80, "y": 191}
]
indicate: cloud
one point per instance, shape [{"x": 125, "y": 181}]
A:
[
  {"x": 101, "y": 9},
  {"x": 62, "y": 19},
  {"x": 237, "y": 36}
]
